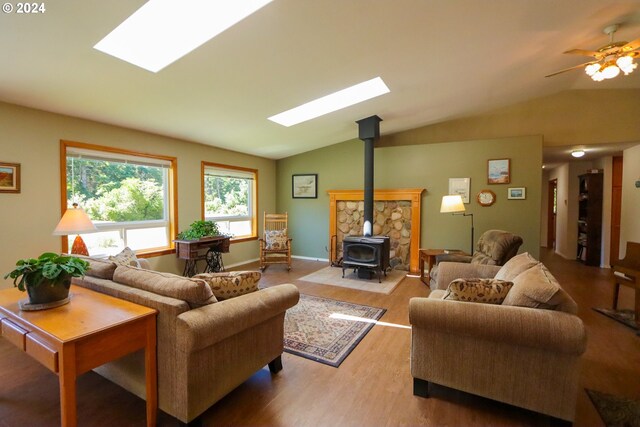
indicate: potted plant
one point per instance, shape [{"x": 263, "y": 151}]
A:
[
  {"x": 47, "y": 278},
  {"x": 199, "y": 229}
]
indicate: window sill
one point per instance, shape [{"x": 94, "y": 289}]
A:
[
  {"x": 243, "y": 239},
  {"x": 155, "y": 253}
]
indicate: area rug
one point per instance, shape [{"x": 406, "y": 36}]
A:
[
  {"x": 615, "y": 410},
  {"x": 327, "y": 330},
  {"x": 627, "y": 317},
  {"x": 332, "y": 276}
]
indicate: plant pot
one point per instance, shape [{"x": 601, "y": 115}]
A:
[{"x": 45, "y": 291}]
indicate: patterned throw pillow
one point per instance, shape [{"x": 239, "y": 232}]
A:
[
  {"x": 231, "y": 284},
  {"x": 488, "y": 291},
  {"x": 276, "y": 239},
  {"x": 126, "y": 257}
]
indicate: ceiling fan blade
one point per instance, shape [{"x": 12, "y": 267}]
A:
[
  {"x": 572, "y": 68},
  {"x": 632, "y": 45},
  {"x": 582, "y": 52}
]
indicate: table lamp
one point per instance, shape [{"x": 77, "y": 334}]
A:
[
  {"x": 75, "y": 221},
  {"x": 453, "y": 204}
]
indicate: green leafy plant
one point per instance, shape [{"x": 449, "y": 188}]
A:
[
  {"x": 56, "y": 268},
  {"x": 200, "y": 229}
]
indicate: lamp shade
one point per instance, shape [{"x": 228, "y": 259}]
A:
[
  {"x": 74, "y": 221},
  {"x": 452, "y": 204}
]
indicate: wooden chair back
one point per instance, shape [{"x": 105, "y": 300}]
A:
[{"x": 275, "y": 221}]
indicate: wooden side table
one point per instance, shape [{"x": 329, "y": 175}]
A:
[
  {"x": 429, "y": 255},
  {"x": 72, "y": 339}
]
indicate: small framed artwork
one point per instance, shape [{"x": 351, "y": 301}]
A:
[
  {"x": 304, "y": 186},
  {"x": 9, "y": 177},
  {"x": 460, "y": 186},
  {"x": 517, "y": 193},
  {"x": 498, "y": 171}
]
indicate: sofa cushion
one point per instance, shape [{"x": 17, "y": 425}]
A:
[
  {"x": 126, "y": 257},
  {"x": 276, "y": 239},
  {"x": 515, "y": 266},
  {"x": 195, "y": 292},
  {"x": 489, "y": 291},
  {"x": 100, "y": 268},
  {"x": 537, "y": 288},
  {"x": 231, "y": 284}
]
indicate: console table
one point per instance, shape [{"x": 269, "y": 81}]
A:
[
  {"x": 207, "y": 248},
  {"x": 72, "y": 339}
]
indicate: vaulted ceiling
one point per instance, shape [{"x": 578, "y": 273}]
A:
[{"x": 442, "y": 60}]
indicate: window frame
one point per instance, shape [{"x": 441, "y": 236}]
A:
[
  {"x": 253, "y": 205},
  {"x": 172, "y": 196}
]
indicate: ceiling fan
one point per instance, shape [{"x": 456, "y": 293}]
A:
[{"x": 609, "y": 59}]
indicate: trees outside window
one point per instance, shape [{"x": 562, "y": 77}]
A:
[
  {"x": 128, "y": 196},
  {"x": 229, "y": 198}
]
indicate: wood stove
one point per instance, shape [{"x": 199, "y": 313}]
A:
[{"x": 366, "y": 255}]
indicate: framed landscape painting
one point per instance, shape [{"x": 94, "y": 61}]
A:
[
  {"x": 498, "y": 171},
  {"x": 9, "y": 177},
  {"x": 304, "y": 186}
]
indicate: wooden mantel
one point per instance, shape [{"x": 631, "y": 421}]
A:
[{"x": 411, "y": 194}]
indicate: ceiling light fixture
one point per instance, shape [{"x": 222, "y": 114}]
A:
[
  {"x": 332, "y": 102},
  {"x": 163, "y": 31},
  {"x": 577, "y": 153},
  {"x": 612, "y": 58}
]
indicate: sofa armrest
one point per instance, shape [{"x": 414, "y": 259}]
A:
[
  {"x": 544, "y": 329},
  {"x": 448, "y": 271},
  {"x": 204, "y": 326}
]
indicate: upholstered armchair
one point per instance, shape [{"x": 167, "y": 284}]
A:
[{"x": 495, "y": 247}]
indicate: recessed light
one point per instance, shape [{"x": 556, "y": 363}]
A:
[
  {"x": 577, "y": 153},
  {"x": 332, "y": 102},
  {"x": 162, "y": 31}
]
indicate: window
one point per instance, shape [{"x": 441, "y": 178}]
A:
[
  {"x": 229, "y": 199},
  {"x": 128, "y": 196}
]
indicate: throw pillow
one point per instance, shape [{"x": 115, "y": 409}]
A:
[
  {"x": 515, "y": 266},
  {"x": 537, "y": 288},
  {"x": 126, "y": 257},
  {"x": 276, "y": 239},
  {"x": 488, "y": 291},
  {"x": 195, "y": 292},
  {"x": 231, "y": 284},
  {"x": 100, "y": 268}
]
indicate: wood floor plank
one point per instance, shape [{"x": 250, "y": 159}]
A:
[{"x": 372, "y": 387}]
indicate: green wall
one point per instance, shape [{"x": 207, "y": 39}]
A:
[{"x": 428, "y": 166}]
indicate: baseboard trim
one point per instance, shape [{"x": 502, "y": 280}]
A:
[
  {"x": 310, "y": 258},
  {"x": 249, "y": 261}
]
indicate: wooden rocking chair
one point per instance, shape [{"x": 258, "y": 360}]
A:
[{"x": 275, "y": 245}]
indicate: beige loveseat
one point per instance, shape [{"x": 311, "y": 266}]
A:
[
  {"x": 525, "y": 351},
  {"x": 205, "y": 347}
]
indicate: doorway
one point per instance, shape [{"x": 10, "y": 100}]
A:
[
  {"x": 616, "y": 207},
  {"x": 552, "y": 211}
]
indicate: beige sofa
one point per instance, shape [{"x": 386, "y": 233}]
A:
[
  {"x": 525, "y": 351},
  {"x": 205, "y": 347}
]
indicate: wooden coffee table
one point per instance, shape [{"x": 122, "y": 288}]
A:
[
  {"x": 72, "y": 339},
  {"x": 429, "y": 255}
]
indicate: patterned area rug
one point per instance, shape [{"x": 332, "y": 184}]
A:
[
  {"x": 333, "y": 276},
  {"x": 327, "y": 330},
  {"x": 616, "y": 410},
  {"x": 627, "y": 317}
]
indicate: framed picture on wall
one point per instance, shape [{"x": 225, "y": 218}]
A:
[
  {"x": 9, "y": 177},
  {"x": 460, "y": 186},
  {"x": 498, "y": 171},
  {"x": 517, "y": 193},
  {"x": 304, "y": 186}
]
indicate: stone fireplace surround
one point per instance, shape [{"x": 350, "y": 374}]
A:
[{"x": 403, "y": 204}]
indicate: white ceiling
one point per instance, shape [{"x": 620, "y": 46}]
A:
[{"x": 442, "y": 59}]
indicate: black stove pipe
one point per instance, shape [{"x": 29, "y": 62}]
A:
[{"x": 369, "y": 131}]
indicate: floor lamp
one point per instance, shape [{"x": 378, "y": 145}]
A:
[
  {"x": 75, "y": 221},
  {"x": 453, "y": 204}
]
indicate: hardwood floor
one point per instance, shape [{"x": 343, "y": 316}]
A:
[{"x": 372, "y": 387}]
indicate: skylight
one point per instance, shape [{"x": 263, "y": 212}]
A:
[
  {"x": 163, "y": 31},
  {"x": 332, "y": 102}
]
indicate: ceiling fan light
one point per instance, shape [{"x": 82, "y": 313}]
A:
[
  {"x": 610, "y": 71},
  {"x": 624, "y": 62},
  {"x": 591, "y": 69},
  {"x": 628, "y": 69},
  {"x": 598, "y": 76}
]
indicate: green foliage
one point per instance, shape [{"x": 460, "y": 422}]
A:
[
  {"x": 115, "y": 191},
  {"x": 200, "y": 229},
  {"x": 226, "y": 196},
  {"x": 54, "y": 267}
]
